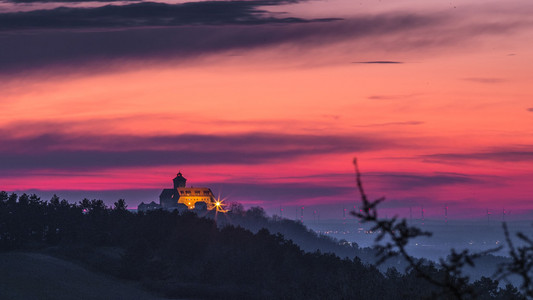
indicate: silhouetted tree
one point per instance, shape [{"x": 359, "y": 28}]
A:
[
  {"x": 120, "y": 205},
  {"x": 24, "y": 199},
  {"x": 3, "y": 197},
  {"x": 12, "y": 200}
]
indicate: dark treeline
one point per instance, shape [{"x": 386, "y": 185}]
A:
[
  {"x": 255, "y": 219},
  {"x": 183, "y": 255}
]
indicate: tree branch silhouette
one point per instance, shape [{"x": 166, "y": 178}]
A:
[
  {"x": 400, "y": 233},
  {"x": 521, "y": 263}
]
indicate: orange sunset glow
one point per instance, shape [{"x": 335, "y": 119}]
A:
[{"x": 268, "y": 104}]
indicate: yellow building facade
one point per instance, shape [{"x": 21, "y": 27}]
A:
[{"x": 192, "y": 197}]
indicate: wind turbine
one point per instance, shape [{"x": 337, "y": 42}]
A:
[
  {"x": 504, "y": 213},
  {"x": 343, "y": 215}
]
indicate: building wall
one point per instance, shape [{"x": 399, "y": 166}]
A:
[{"x": 191, "y": 200}]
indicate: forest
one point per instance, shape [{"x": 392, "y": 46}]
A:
[{"x": 211, "y": 257}]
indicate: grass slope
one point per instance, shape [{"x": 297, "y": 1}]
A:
[{"x": 40, "y": 276}]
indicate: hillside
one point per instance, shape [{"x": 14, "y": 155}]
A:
[{"x": 40, "y": 276}]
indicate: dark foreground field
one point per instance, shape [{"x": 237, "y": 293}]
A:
[{"x": 40, "y": 276}]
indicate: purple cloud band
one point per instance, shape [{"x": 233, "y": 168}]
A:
[
  {"x": 518, "y": 154},
  {"x": 63, "y": 151}
]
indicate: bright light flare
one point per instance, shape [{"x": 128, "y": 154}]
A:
[{"x": 219, "y": 205}]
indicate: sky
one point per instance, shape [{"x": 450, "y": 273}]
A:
[{"x": 267, "y": 102}]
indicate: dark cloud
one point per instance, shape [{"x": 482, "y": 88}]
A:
[
  {"x": 102, "y": 38},
  {"x": 409, "y": 181},
  {"x": 498, "y": 155},
  {"x": 401, "y": 180},
  {"x": 70, "y": 46},
  {"x": 379, "y": 62},
  {"x": 488, "y": 80},
  {"x": 145, "y": 14},
  {"x": 530, "y": 109},
  {"x": 77, "y": 152},
  {"x": 65, "y": 1}
]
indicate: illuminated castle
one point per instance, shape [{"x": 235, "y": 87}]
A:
[{"x": 191, "y": 197}]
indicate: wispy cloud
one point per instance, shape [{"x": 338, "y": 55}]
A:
[
  {"x": 85, "y": 152},
  {"x": 488, "y": 80},
  {"x": 401, "y": 181},
  {"x": 410, "y": 181},
  {"x": 517, "y": 154}
]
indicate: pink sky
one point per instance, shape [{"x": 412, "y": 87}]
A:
[{"x": 272, "y": 114}]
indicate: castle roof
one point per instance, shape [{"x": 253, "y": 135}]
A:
[{"x": 167, "y": 193}]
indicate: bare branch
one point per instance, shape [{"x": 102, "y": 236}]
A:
[
  {"x": 400, "y": 233},
  {"x": 521, "y": 261}
]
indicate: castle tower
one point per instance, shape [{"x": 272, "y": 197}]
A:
[{"x": 179, "y": 181}]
